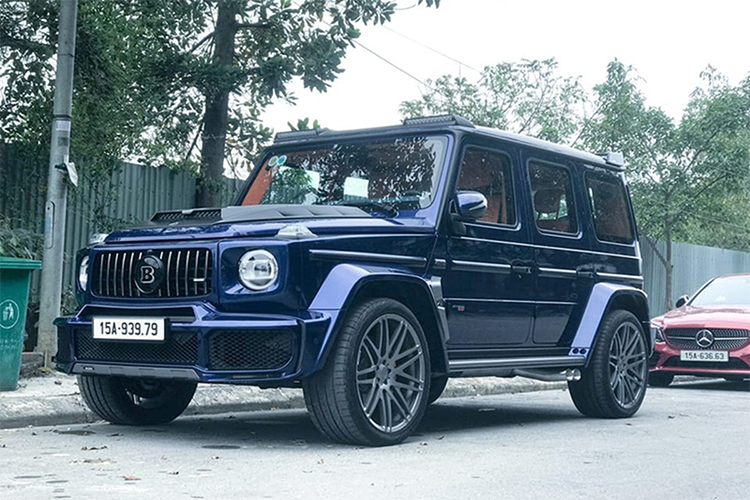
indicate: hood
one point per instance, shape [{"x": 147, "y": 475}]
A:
[
  {"x": 261, "y": 221},
  {"x": 697, "y": 317}
]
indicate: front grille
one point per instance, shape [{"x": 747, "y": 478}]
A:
[
  {"x": 250, "y": 349},
  {"x": 180, "y": 348},
  {"x": 724, "y": 338},
  {"x": 186, "y": 273}
]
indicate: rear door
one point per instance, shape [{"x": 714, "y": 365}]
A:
[{"x": 564, "y": 268}]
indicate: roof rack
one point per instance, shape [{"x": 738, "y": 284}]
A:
[
  {"x": 439, "y": 120},
  {"x": 293, "y": 135},
  {"x": 614, "y": 159}
]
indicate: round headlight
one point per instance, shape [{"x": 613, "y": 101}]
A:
[
  {"x": 83, "y": 273},
  {"x": 258, "y": 270}
]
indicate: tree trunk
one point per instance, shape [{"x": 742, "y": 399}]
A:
[
  {"x": 210, "y": 181},
  {"x": 668, "y": 287}
]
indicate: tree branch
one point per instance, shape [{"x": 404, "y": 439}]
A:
[{"x": 22, "y": 44}]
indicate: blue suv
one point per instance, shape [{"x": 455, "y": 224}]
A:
[{"x": 368, "y": 267}]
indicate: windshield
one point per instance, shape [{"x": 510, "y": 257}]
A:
[
  {"x": 383, "y": 177},
  {"x": 732, "y": 290}
]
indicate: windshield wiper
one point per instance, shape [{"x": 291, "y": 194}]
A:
[{"x": 386, "y": 208}]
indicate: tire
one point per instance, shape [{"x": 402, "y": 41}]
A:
[
  {"x": 128, "y": 401},
  {"x": 613, "y": 384},
  {"x": 374, "y": 387},
  {"x": 437, "y": 386},
  {"x": 660, "y": 379}
]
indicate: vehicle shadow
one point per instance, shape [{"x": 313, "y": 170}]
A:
[
  {"x": 294, "y": 428},
  {"x": 709, "y": 384}
]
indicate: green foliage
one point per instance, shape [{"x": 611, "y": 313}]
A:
[
  {"x": 687, "y": 179},
  {"x": 527, "y": 97},
  {"x": 21, "y": 243},
  {"x": 147, "y": 73}
]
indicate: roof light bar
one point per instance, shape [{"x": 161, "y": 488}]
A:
[
  {"x": 439, "y": 120},
  {"x": 293, "y": 135}
]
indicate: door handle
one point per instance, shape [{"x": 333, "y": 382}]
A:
[
  {"x": 520, "y": 269},
  {"x": 589, "y": 275}
]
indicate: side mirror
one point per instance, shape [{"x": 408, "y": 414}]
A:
[
  {"x": 471, "y": 205},
  {"x": 681, "y": 301}
]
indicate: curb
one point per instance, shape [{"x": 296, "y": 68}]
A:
[{"x": 210, "y": 399}]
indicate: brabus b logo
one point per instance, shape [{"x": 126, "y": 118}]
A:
[{"x": 148, "y": 274}]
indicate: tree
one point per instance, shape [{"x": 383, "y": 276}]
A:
[
  {"x": 164, "y": 80},
  {"x": 681, "y": 176},
  {"x": 527, "y": 98}
]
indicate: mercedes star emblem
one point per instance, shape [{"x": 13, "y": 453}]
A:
[{"x": 704, "y": 338}]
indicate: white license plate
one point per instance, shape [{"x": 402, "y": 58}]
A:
[
  {"x": 151, "y": 329},
  {"x": 717, "y": 356}
]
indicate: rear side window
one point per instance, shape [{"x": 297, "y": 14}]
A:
[
  {"x": 610, "y": 208},
  {"x": 552, "y": 193},
  {"x": 488, "y": 172}
]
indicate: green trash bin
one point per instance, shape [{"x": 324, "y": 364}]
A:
[{"x": 15, "y": 275}]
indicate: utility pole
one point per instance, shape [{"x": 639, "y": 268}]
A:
[{"x": 60, "y": 171}]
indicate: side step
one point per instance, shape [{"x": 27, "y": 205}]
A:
[{"x": 551, "y": 368}]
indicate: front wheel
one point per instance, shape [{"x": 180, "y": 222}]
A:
[
  {"x": 613, "y": 384},
  {"x": 374, "y": 388},
  {"x": 128, "y": 401}
]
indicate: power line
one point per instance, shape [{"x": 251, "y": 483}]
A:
[
  {"x": 398, "y": 68},
  {"x": 432, "y": 49}
]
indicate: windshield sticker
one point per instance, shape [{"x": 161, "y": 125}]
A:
[{"x": 355, "y": 188}]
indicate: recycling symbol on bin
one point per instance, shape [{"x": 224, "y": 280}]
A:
[{"x": 9, "y": 314}]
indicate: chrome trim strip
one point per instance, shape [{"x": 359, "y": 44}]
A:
[
  {"x": 83, "y": 368},
  {"x": 482, "y": 266},
  {"x": 374, "y": 257},
  {"x": 508, "y": 301},
  {"x": 546, "y": 362},
  {"x": 552, "y": 271}
]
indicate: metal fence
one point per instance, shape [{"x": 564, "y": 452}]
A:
[{"x": 692, "y": 266}]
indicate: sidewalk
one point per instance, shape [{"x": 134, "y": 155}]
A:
[{"x": 45, "y": 397}]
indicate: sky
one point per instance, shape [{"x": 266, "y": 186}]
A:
[{"x": 667, "y": 42}]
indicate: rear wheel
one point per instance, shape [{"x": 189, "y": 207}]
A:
[
  {"x": 613, "y": 384},
  {"x": 660, "y": 379},
  {"x": 374, "y": 387},
  {"x": 129, "y": 401}
]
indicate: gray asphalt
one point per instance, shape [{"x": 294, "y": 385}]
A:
[{"x": 45, "y": 397}]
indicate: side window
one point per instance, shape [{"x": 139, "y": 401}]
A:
[
  {"x": 488, "y": 172},
  {"x": 609, "y": 206},
  {"x": 553, "y": 198}
]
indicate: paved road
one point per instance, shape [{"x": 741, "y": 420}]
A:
[{"x": 690, "y": 441}]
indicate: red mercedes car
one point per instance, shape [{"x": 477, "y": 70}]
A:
[{"x": 707, "y": 334}]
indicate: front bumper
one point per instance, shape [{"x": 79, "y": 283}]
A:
[
  {"x": 666, "y": 359},
  {"x": 201, "y": 344}
]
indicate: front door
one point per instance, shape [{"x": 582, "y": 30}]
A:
[{"x": 488, "y": 281}]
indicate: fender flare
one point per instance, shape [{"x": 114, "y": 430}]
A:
[
  {"x": 344, "y": 281},
  {"x": 603, "y": 295}
]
